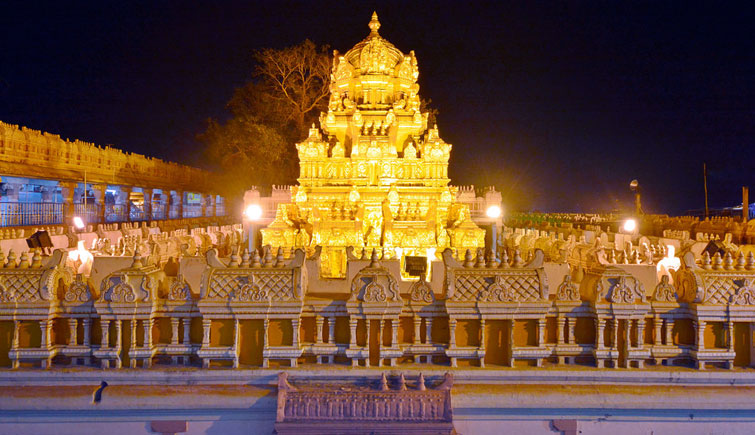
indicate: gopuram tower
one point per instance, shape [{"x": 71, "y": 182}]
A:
[{"x": 374, "y": 175}]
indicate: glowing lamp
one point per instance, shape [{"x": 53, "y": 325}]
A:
[
  {"x": 630, "y": 225},
  {"x": 253, "y": 212},
  {"x": 78, "y": 223},
  {"x": 493, "y": 212}
]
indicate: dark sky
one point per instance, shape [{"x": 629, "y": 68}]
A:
[{"x": 558, "y": 104}]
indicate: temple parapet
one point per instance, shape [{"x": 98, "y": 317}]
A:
[
  {"x": 720, "y": 292},
  {"x": 246, "y": 289},
  {"x": 29, "y": 293},
  {"x": 482, "y": 300}
]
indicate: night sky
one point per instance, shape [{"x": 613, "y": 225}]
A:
[{"x": 560, "y": 105}]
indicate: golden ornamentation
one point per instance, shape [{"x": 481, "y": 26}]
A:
[{"x": 372, "y": 155}]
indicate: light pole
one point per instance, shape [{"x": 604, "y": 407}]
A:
[
  {"x": 494, "y": 212},
  {"x": 252, "y": 214},
  {"x": 634, "y": 186}
]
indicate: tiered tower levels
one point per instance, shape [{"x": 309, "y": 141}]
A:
[{"x": 373, "y": 175}]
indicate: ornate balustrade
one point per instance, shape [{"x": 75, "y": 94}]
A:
[{"x": 256, "y": 311}]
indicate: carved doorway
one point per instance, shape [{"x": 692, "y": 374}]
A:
[{"x": 496, "y": 342}]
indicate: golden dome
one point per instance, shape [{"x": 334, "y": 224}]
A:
[{"x": 374, "y": 54}]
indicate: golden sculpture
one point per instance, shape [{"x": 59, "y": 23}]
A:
[{"x": 373, "y": 176}]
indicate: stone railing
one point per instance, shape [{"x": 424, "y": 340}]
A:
[{"x": 250, "y": 311}]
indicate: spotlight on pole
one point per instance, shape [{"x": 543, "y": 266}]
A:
[
  {"x": 252, "y": 214},
  {"x": 629, "y": 225},
  {"x": 494, "y": 212},
  {"x": 79, "y": 223}
]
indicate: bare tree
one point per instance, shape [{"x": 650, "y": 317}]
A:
[{"x": 297, "y": 78}]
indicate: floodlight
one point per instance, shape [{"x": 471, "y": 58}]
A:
[
  {"x": 78, "y": 222},
  {"x": 253, "y": 212},
  {"x": 493, "y": 212}
]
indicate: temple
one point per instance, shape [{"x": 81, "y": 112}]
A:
[
  {"x": 377, "y": 298},
  {"x": 374, "y": 175}
]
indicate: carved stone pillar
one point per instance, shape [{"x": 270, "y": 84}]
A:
[
  {"x": 174, "y": 330},
  {"x": 180, "y": 203},
  {"x": 72, "y": 339},
  {"x": 730, "y": 335},
  {"x": 561, "y": 324},
  {"x": 511, "y": 344},
  {"x": 429, "y": 330},
  {"x": 394, "y": 333},
  {"x": 482, "y": 333},
  {"x": 87, "y": 333},
  {"x": 319, "y": 321},
  {"x": 353, "y": 332},
  {"x": 295, "y": 326},
  {"x": 67, "y": 189},
  {"x": 332, "y": 329},
  {"x": 541, "y": 332},
  {"x": 119, "y": 342},
  {"x": 186, "y": 322},
  {"x": 126, "y": 201},
  {"x": 212, "y": 205},
  {"x": 236, "y": 341},
  {"x": 699, "y": 333},
  {"x": 204, "y": 203},
  {"x": 381, "y": 325},
  {"x": 100, "y": 192},
  {"x": 147, "y": 205},
  {"x": 45, "y": 327},
  {"x": 657, "y": 338},
  {"x": 627, "y": 338},
  {"x": 16, "y": 334},
  {"x": 265, "y": 340},
  {"x": 105, "y": 327},
  {"x": 615, "y": 334},
  {"x": 669, "y": 332},
  {"x": 600, "y": 325},
  {"x": 206, "y": 323},
  {"x": 571, "y": 326},
  {"x": 451, "y": 332},
  {"x": 417, "y": 324},
  {"x": 133, "y": 341},
  {"x": 641, "y": 334}
]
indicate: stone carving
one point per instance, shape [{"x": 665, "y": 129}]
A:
[
  {"x": 422, "y": 292},
  {"x": 746, "y": 293},
  {"x": 374, "y": 292},
  {"x": 121, "y": 292},
  {"x": 179, "y": 290},
  {"x": 567, "y": 291},
  {"x": 498, "y": 291},
  {"x": 78, "y": 291},
  {"x": 622, "y": 293},
  {"x": 665, "y": 291},
  {"x": 303, "y": 409}
]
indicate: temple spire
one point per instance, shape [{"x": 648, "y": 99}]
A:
[{"x": 374, "y": 24}]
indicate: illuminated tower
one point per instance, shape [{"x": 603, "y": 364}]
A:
[{"x": 374, "y": 175}]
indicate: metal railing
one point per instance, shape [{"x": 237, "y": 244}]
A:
[
  {"x": 90, "y": 213},
  {"x": 158, "y": 211},
  {"x": 116, "y": 212},
  {"x": 30, "y": 213},
  {"x": 192, "y": 210}
]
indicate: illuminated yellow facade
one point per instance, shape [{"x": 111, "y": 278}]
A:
[{"x": 374, "y": 175}]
